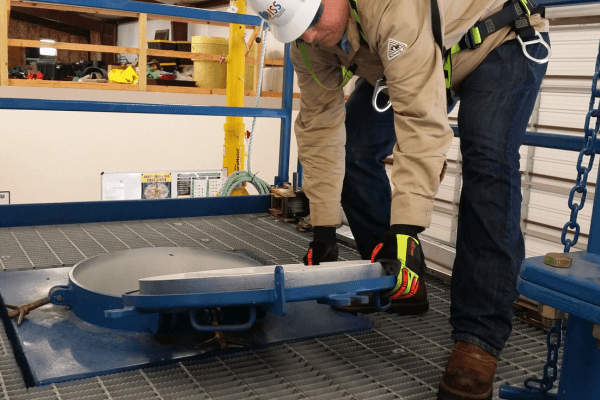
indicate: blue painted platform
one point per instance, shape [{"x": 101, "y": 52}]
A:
[
  {"x": 52, "y": 345},
  {"x": 576, "y": 291}
]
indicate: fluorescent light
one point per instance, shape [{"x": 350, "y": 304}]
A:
[{"x": 47, "y": 51}]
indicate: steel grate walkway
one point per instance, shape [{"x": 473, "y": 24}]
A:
[{"x": 401, "y": 358}]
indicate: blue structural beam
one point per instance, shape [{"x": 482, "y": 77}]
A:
[
  {"x": 549, "y": 140},
  {"x": 161, "y": 9},
  {"x": 286, "y": 124},
  {"x": 127, "y": 210},
  {"x": 552, "y": 3},
  {"x": 138, "y": 108}
]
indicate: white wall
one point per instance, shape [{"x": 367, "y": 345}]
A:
[
  {"x": 548, "y": 175},
  {"x": 51, "y": 156},
  {"x": 55, "y": 156}
]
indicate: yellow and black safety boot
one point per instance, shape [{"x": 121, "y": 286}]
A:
[
  {"x": 469, "y": 374},
  {"x": 400, "y": 254}
]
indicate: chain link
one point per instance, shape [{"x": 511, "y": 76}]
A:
[
  {"x": 583, "y": 168},
  {"x": 554, "y": 336},
  {"x": 553, "y": 340}
]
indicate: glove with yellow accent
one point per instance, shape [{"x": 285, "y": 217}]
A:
[
  {"x": 400, "y": 254},
  {"x": 324, "y": 248}
]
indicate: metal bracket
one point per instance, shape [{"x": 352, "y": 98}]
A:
[
  {"x": 379, "y": 87},
  {"x": 221, "y": 328},
  {"x": 539, "y": 40},
  {"x": 61, "y": 296},
  {"x": 278, "y": 306},
  {"x": 271, "y": 299},
  {"x": 344, "y": 299},
  {"x": 381, "y": 307}
]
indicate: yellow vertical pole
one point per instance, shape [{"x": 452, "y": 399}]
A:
[
  {"x": 234, "y": 149},
  {"x": 4, "y": 15},
  {"x": 143, "y": 52}
]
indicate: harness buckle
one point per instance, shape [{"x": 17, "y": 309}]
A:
[
  {"x": 379, "y": 87},
  {"x": 539, "y": 40},
  {"x": 470, "y": 40}
]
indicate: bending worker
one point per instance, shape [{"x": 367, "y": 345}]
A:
[{"x": 492, "y": 54}]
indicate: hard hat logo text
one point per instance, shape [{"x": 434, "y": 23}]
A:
[{"x": 274, "y": 11}]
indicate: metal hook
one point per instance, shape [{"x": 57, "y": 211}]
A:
[
  {"x": 540, "y": 40},
  {"x": 379, "y": 86}
]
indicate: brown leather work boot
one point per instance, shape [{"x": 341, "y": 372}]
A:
[
  {"x": 417, "y": 304},
  {"x": 469, "y": 374}
]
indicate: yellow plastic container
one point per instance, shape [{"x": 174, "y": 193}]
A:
[{"x": 212, "y": 74}]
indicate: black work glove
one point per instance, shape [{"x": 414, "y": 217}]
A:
[
  {"x": 400, "y": 254},
  {"x": 323, "y": 248}
]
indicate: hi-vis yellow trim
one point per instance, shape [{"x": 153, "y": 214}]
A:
[
  {"x": 476, "y": 35},
  {"x": 357, "y": 19},
  {"x": 448, "y": 69},
  {"x": 524, "y": 2},
  {"x": 346, "y": 73},
  {"x": 401, "y": 242}
]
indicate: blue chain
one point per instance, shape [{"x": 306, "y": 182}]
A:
[
  {"x": 553, "y": 340},
  {"x": 554, "y": 336},
  {"x": 582, "y": 169}
]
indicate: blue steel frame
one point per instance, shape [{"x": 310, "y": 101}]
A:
[
  {"x": 135, "y": 312},
  {"x": 84, "y": 212},
  {"x": 580, "y": 344}
]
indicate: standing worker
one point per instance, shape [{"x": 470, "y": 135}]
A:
[{"x": 492, "y": 54}]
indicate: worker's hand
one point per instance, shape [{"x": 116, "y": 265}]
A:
[
  {"x": 400, "y": 254},
  {"x": 324, "y": 248}
]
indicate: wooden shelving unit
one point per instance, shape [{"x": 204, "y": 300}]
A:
[{"x": 142, "y": 51}]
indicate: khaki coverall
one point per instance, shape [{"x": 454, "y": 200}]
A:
[{"x": 415, "y": 78}]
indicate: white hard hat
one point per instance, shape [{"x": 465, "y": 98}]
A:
[{"x": 288, "y": 19}]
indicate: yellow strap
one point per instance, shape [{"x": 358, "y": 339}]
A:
[
  {"x": 347, "y": 74},
  {"x": 524, "y": 3}
]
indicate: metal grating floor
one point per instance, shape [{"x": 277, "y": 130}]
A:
[{"x": 401, "y": 358}]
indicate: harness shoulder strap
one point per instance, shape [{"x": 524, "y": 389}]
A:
[
  {"x": 354, "y": 6},
  {"x": 347, "y": 73},
  {"x": 436, "y": 25},
  {"x": 515, "y": 13}
]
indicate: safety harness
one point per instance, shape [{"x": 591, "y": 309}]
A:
[
  {"x": 515, "y": 13},
  {"x": 347, "y": 73}
]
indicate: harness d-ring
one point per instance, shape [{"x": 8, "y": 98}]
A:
[
  {"x": 540, "y": 40},
  {"x": 379, "y": 86}
]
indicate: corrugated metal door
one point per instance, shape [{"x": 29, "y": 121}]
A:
[{"x": 547, "y": 175}]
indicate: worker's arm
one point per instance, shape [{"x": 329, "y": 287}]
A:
[
  {"x": 321, "y": 135},
  {"x": 417, "y": 91}
]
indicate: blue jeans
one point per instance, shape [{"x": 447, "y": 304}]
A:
[{"x": 497, "y": 100}]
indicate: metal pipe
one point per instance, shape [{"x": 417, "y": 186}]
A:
[
  {"x": 234, "y": 149},
  {"x": 300, "y": 173},
  {"x": 127, "y": 210},
  {"x": 137, "y": 108},
  {"x": 286, "y": 123},
  {"x": 295, "y": 182},
  {"x": 549, "y": 140}
]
